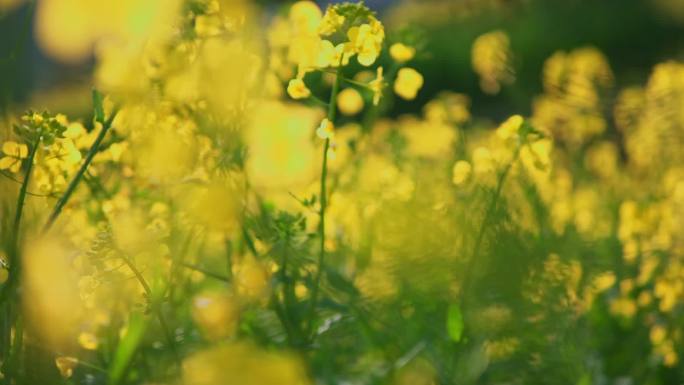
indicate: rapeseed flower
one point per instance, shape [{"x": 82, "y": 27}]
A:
[{"x": 408, "y": 83}]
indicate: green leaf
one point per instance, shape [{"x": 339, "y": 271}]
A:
[
  {"x": 98, "y": 107},
  {"x": 127, "y": 348},
  {"x": 455, "y": 322},
  {"x": 340, "y": 282}
]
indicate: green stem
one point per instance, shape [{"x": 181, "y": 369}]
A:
[
  {"x": 318, "y": 101},
  {"x": 206, "y": 272},
  {"x": 22, "y": 197},
  {"x": 157, "y": 310},
  {"x": 324, "y": 201},
  {"x": 79, "y": 174},
  {"x": 374, "y": 112},
  {"x": 485, "y": 224},
  {"x": 14, "y": 270},
  {"x": 14, "y": 361}
]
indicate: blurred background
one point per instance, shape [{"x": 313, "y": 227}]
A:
[{"x": 633, "y": 34}]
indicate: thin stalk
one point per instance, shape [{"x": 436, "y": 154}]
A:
[
  {"x": 79, "y": 174},
  {"x": 160, "y": 315},
  {"x": 206, "y": 272},
  {"x": 324, "y": 201},
  {"x": 14, "y": 361},
  {"x": 15, "y": 270},
  {"x": 14, "y": 261},
  {"x": 485, "y": 223},
  {"x": 318, "y": 101},
  {"x": 22, "y": 197}
]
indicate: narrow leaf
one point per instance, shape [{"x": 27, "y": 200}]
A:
[
  {"x": 455, "y": 323},
  {"x": 127, "y": 348},
  {"x": 98, "y": 106}
]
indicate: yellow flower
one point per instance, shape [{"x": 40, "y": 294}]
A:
[
  {"x": 297, "y": 89},
  {"x": 66, "y": 365},
  {"x": 14, "y": 153},
  {"x": 331, "y": 22},
  {"x": 326, "y": 54},
  {"x": 491, "y": 60},
  {"x": 15, "y": 149},
  {"x": 408, "y": 82},
  {"x": 216, "y": 314},
  {"x": 208, "y": 25},
  {"x": 483, "y": 160},
  {"x": 87, "y": 340},
  {"x": 281, "y": 151},
  {"x": 349, "y": 101},
  {"x": 402, "y": 53},
  {"x": 330, "y": 55},
  {"x": 366, "y": 41},
  {"x": 376, "y": 86},
  {"x": 244, "y": 364},
  {"x": 509, "y": 129},
  {"x": 305, "y": 16},
  {"x": 251, "y": 280},
  {"x": 657, "y": 334},
  {"x": 461, "y": 172},
  {"x": 67, "y": 30},
  {"x": 326, "y": 130}
]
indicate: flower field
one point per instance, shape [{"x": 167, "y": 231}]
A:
[{"x": 235, "y": 192}]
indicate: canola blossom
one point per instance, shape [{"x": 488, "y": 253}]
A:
[{"x": 288, "y": 193}]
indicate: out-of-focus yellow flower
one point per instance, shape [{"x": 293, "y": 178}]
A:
[
  {"x": 215, "y": 205},
  {"x": 461, "y": 172},
  {"x": 305, "y": 16},
  {"x": 51, "y": 298},
  {"x": 208, "y": 25},
  {"x": 657, "y": 334},
  {"x": 281, "y": 151},
  {"x": 448, "y": 107},
  {"x": 671, "y": 358},
  {"x": 376, "y": 85},
  {"x": 167, "y": 153},
  {"x": 417, "y": 372},
  {"x": 88, "y": 341},
  {"x": 402, "y": 53},
  {"x": 243, "y": 364},
  {"x": 217, "y": 314},
  {"x": 66, "y": 365},
  {"x": 427, "y": 139},
  {"x": 17, "y": 150},
  {"x": 297, "y": 89},
  {"x": 510, "y": 128},
  {"x": 483, "y": 161},
  {"x": 491, "y": 60},
  {"x": 501, "y": 349},
  {"x": 326, "y": 130},
  {"x": 604, "y": 281},
  {"x": 408, "y": 83},
  {"x": 13, "y": 154},
  {"x": 349, "y": 101},
  {"x": 251, "y": 279},
  {"x": 128, "y": 229},
  {"x": 574, "y": 84},
  {"x": 69, "y": 29},
  {"x": 326, "y": 54},
  {"x": 331, "y": 22}
]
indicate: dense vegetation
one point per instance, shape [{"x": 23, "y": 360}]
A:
[{"x": 290, "y": 194}]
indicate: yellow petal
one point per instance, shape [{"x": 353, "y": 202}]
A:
[
  {"x": 8, "y": 163},
  {"x": 15, "y": 149},
  {"x": 66, "y": 365}
]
